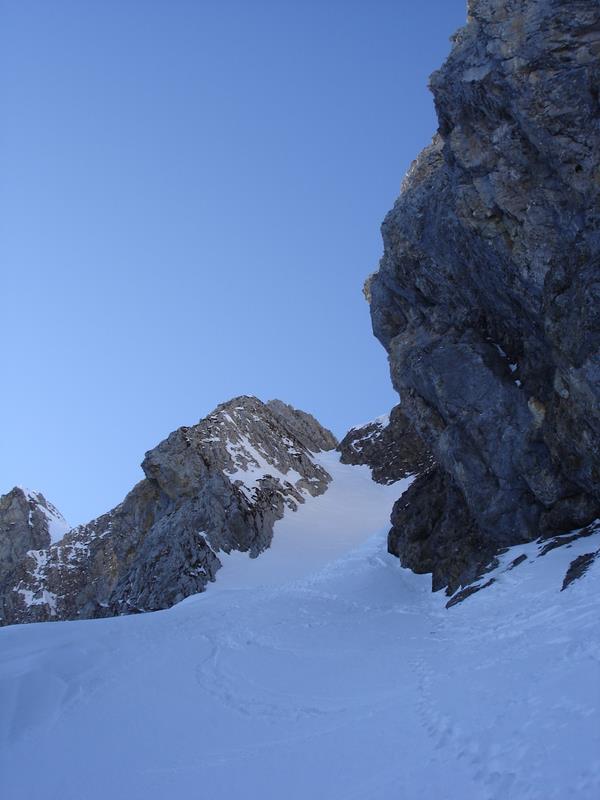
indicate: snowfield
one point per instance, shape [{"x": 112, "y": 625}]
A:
[{"x": 320, "y": 670}]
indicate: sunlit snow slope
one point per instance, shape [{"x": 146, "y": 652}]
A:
[{"x": 319, "y": 670}]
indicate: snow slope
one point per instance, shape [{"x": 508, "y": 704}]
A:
[
  {"x": 326, "y": 527},
  {"x": 341, "y": 678}
]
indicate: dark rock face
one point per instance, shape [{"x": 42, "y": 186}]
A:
[
  {"x": 217, "y": 486},
  {"x": 488, "y": 293},
  {"x": 469, "y": 591},
  {"x": 434, "y": 531},
  {"x": 578, "y": 567},
  {"x": 389, "y": 446}
]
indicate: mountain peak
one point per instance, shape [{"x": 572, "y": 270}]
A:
[{"x": 216, "y": 486}]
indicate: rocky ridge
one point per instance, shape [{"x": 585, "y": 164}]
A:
[
  {"x": 389, "y": 446},
  {"x": 487, "y": 297},
  {"x": 213, "y": 487}
]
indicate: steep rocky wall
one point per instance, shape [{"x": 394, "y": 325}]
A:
[{"x": 488, "y": 293}]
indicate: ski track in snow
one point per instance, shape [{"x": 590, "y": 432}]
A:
[{"x": 319, "y": 670}]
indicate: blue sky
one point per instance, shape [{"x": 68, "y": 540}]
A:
[{"x": 190, "y": 202}]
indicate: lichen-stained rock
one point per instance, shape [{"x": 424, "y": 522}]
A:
[
  {"x": 488, "y": 293},
  {"x": 216, "y": 486},
  {"x": 388, "y": 445}
]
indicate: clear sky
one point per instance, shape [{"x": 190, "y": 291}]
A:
[{"x": 190, "y": 201}]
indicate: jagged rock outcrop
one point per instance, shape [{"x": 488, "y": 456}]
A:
[
  {"x": 488, "y": 293},
  {"x": 313, "y": 437},
  {"x": 27, "y": 522},
  {"x": 389, "y": 446},
  {"x": 217, "y": 486}
]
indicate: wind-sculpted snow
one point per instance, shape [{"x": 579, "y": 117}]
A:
[{"x": 343, "y": 678}]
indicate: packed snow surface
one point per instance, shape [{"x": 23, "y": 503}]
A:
[{"x": 319, "y": 670}]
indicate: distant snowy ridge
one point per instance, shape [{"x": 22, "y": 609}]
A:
[
  {"x": 381, "y": 421},
  {"x": 212, "y": 488}
]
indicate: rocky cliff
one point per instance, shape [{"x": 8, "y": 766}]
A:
[
  {"x": 389, "y": 446},
  {"x": 214, "y": 487},
  {"x": 487, "y": 297}
]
